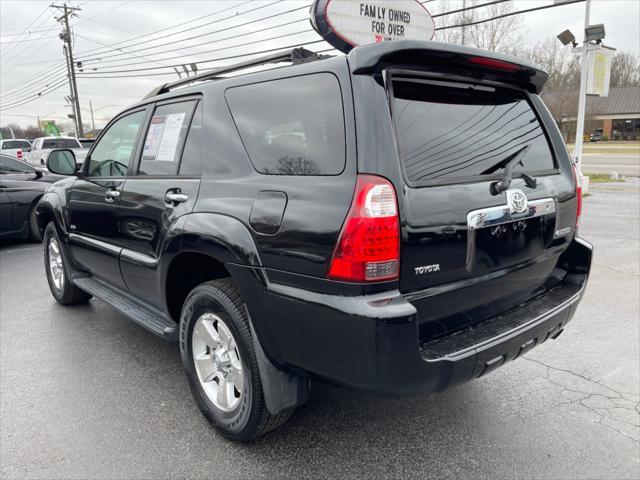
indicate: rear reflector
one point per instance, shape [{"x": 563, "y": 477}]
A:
[
  {"x": 494, "y": 64},
  {"x": 368, "y": 248},
  {"x": 576, "y": 176}
]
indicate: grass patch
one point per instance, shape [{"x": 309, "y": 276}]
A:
[{"x": 602, "y": 178}]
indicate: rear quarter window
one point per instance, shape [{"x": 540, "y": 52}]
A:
[
  {"x": 448, "y": 132},
  {"x": 291, "y": 126}
]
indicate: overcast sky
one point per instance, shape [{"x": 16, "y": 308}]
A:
[{"x": 31, "y": 55}]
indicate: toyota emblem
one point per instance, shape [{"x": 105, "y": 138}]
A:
[{"x": 517, "y": 201}]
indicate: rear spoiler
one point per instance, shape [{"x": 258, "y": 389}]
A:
[{"x": 447, "y": 58}]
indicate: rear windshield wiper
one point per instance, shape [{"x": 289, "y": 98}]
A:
[{"x": 509, "y": 164}]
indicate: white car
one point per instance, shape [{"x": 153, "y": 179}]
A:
[
  {"x": 15, "y": 147},
  {"x": 42, "y": 146}
]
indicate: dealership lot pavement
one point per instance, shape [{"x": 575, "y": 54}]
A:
[{"x": 84, "y": 393}]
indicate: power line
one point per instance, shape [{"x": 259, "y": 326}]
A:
[
  {"x": 210, "y": 42},
  {"x": 183, "y": 56},
  {"x": 169, "y": 28},
  {"x": 519, "y": 12},
  {"x": 32, "y": 79},
  {"x": 33, "y": 88},
  {"x": 162, "y": 29},
  {"x": 17, "y": 53},
  {"x": 466, "y": 9},
  {"x": 210, "y": 60},
  {"x": 27, "y": 27},
  {"x": 190, "y": 29},
  {"x": 209, "y": 33},
  {"x": 39, "y": 95}
]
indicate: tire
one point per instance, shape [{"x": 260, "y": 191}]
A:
[
  {"x": 241, "y": 414},
  {"x": 65, "y": 292},
  {"x": 34, "y": 229}
]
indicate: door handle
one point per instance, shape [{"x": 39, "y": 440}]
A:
[
  {"x": 111, "y": 195},
  {"x": 175, "y": 197}
]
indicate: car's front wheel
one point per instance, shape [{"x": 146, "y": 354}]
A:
[
  {"x": 218, "y": 355},
  {"x": 60, "y": 285}
]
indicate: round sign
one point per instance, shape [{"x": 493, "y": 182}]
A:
[{"x": 348, "y": 23}]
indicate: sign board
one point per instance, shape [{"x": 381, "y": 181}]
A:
[
  {"x": 49, "y": 128},
  {"x": 599, "y": 68},
  {"x": 345, "y": 24}
]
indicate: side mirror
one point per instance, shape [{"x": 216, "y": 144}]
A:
[
  {"x": 28, "y": 149},
  {"x": 62, "y": 162},
  {"x": 39, "y": 172}
]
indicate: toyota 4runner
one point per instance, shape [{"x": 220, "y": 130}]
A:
[{"x": 396, "y": 220}]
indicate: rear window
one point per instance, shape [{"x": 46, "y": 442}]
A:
[
  {"x": 292, "y": 126},
  {"x": 61, "y": 143},
  {"x": 86, "y": 143},
  {"x": 449, "y": 131},
  {"x": 11, "y": 144}
]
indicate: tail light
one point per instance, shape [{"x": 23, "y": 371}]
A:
[
  {"x": 576, "y": 176},
  {"x": 368, "y": 248},
  {"x": 19, "y": 154},
  {"x": 494, "y": 64}
]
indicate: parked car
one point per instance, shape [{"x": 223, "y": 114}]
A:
[
  {"x": 596, "y": 136},
  {"x": 397, "y": 220},
  {"x": 15, "y": 147},
  {"x": 43, "y": 145},
  {"x": 21, "y": 186}
]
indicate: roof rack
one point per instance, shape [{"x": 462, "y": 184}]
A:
[{"x": 295, "y": 55}]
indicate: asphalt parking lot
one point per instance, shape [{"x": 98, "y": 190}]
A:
[{"x": 85, "y": 393}]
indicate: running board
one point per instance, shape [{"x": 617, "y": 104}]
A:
[{"x": 144, "y": 315}]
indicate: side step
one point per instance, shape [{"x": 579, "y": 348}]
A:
[{"x": 144, "y": 315}]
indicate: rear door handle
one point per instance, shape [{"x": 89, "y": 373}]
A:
[
  {"x": 175, "y": 197},
  {"x": 111, "y": 195}
]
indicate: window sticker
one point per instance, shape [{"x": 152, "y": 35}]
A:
[
  {"x": 163, "y": 136},
  {"x": 154, "y": 137}
]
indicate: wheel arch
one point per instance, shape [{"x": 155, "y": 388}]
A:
[
  {"x": 198, "y": 248},
  {"x": 49, "y": 209}
]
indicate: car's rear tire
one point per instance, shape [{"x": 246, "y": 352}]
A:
[
  {"x": 217, "y": 351},
  {"x": 65, "y": 292}
]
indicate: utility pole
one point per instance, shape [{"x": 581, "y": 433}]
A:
[
  {"x": 582, "y": 100},
  {"x": 93, "y": 123},
  {"x": 65, "y": 36},
  {"x": 70, "y": 98}
]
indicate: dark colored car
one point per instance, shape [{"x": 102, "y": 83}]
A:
[
  {"x": 21, "y": 186},
  {"x": 596, "y": 136},
  {"x": 397, "y": 220}
]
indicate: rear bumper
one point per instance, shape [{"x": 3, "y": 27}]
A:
[{"x": 372, "y": 342}]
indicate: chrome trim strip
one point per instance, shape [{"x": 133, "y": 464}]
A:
[
  {"x": 139, "y": 258},
  {"x": 498, "y": 215},
  {"x": 95, "y": 244}
]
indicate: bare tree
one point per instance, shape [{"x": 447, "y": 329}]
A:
[{"x": 625, "y": 70}]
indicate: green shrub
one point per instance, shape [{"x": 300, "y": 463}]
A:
[{"x": 605, "y": 138}]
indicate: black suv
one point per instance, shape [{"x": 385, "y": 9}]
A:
[{"x": 400, "y": 219}]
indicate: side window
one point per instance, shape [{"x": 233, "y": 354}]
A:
[
  {"x": 292, "y": 126},
  {"x": 9, "y": 165},
  {"x": 112, "y": 154},
  {"x": 191, "y": 164},
  {"x": 164, "y": 139}
]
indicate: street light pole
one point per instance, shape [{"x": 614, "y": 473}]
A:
[{"x": 582, "y": 98}]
